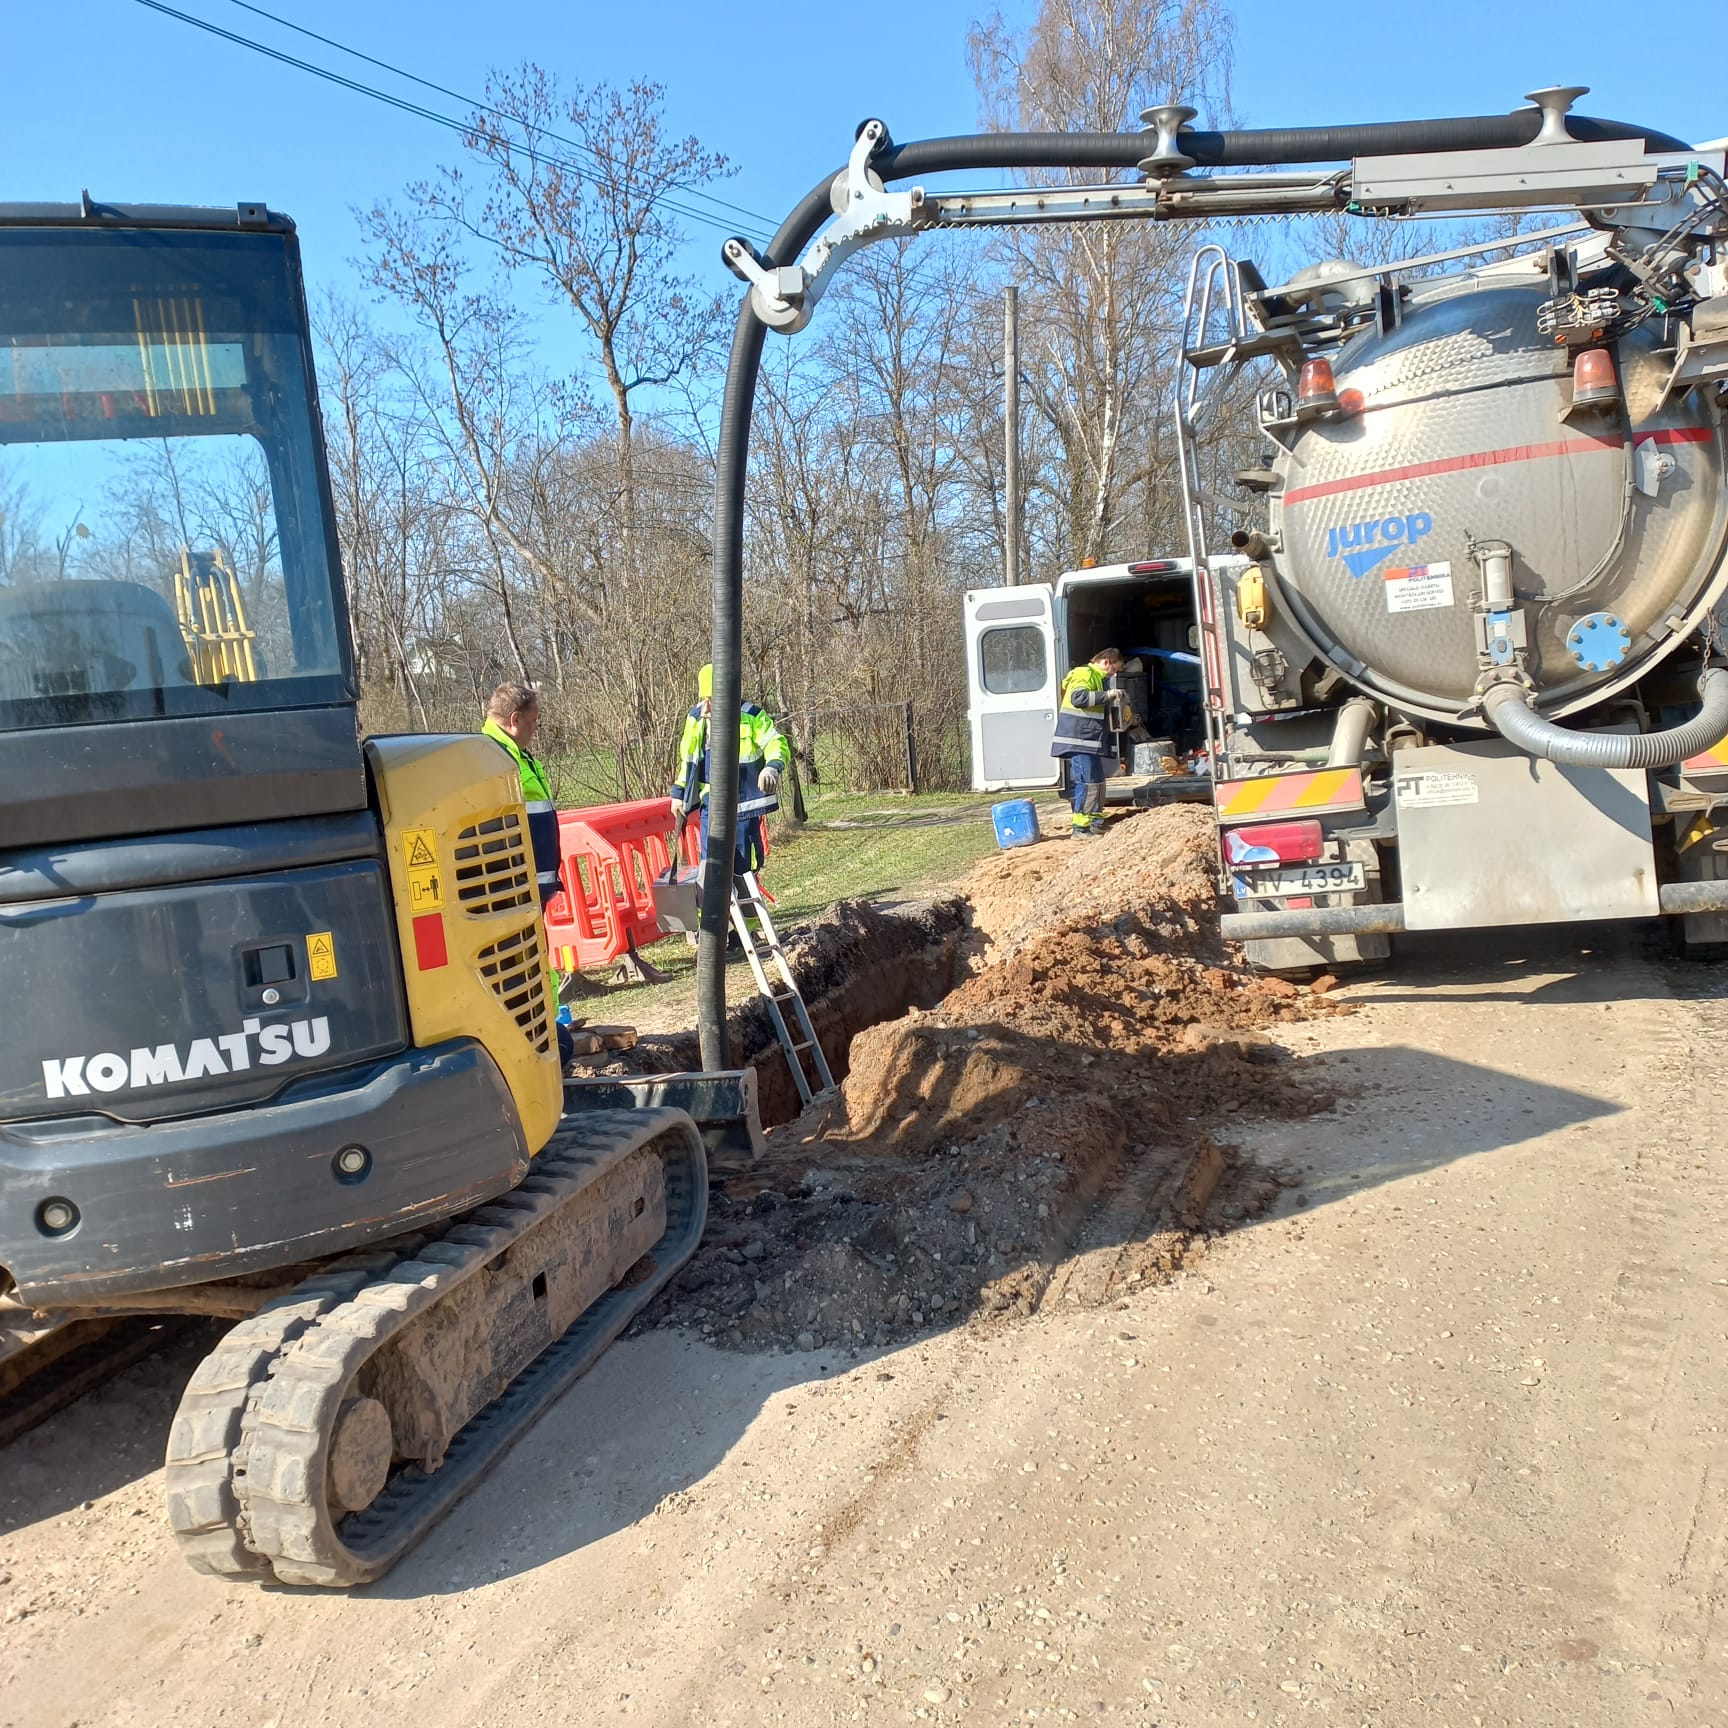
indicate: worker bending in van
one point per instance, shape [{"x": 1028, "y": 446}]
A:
[
  {"x": 1083, "y": 735},
  {"x": 763, "y": 756}
]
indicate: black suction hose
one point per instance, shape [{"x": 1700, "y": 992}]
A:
[
  {"x": 1273, "y": 148},
  {"x": 730, "y": 471}
]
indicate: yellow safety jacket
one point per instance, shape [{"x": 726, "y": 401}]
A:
[
  {"x": 760, "y": 742},
  {"x": 537, "y": 800},
  {"x": 1082, "y": 728}
]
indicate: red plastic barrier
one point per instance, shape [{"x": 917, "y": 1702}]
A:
[{"x": 608, "y": 857}]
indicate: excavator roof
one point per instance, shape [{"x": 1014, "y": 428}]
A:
[{"x": 87, "y": 213}]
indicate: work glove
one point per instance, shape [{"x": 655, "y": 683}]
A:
[
  {"x": 769, "y": 779},
  {"x": 679, "y": 810}
]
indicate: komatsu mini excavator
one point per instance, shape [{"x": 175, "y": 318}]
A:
[{"x": 275, "y": 1042}]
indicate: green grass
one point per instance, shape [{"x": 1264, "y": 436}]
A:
[
  {"x": 859, "y": 848},
  {"x": 854, "y": 846},
  {"x": 824, "y": 806}
]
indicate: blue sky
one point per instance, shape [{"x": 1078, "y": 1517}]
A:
[{"x": 137, "y": 106}]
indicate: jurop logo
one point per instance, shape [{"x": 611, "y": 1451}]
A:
[{"x": 1379, "y": 537}]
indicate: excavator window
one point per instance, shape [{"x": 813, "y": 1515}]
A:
[{"x": 164, "y": 526}]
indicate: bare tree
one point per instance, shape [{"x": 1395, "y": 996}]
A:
[
  {"x": 483, "y": 404},
  {"x": 20, "y": 526},
  {"x": 595, "y": 227},
  {"x": 1101, "y": 299},
  {"x": 397, "y": 520}
]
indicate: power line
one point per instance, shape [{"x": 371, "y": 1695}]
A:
[
  {"x": 475, "y": 103},
  {"x": 460, "y": 127}
]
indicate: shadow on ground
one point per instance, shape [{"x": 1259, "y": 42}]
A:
[
  {"x": 112, "y": 1436},
  {"x": 1604, "y": 963}
]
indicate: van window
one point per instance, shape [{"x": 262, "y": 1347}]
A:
[{"x": 1012, "y": 661}]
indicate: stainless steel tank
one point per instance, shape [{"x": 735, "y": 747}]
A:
[{"x": 1458, "y": 437}]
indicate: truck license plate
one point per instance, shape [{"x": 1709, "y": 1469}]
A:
[{"x": 1299, "y": 879}]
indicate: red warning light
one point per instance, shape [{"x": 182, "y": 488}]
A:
[
  {"x": 1315, "y": 388},
  {"x": 1593, "y": 379}
]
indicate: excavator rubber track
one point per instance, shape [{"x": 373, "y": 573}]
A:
[{"x": 328, "y": 1433}]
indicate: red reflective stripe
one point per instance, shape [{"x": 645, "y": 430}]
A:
[
  {"x": 429, "y": 950},
  {"x": 1269, "y": 794},
  {"x": 1494, "y": 458}
]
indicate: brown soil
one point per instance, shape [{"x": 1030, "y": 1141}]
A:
[
  {"x": 1156, "y": 867},
  {"x": 1070, "y": 1083}
]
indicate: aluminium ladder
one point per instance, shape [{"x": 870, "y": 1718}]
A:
[{"x": 780, "y": 991}]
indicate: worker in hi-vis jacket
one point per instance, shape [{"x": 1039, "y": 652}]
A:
[
  {"x": 764, "y": 753},
  {"x": 512, "y": 719},
  {"x": 1083, "y": 735}
]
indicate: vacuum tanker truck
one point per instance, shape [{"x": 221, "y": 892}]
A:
[
  {"x": 1467, "y": 667},
  {"x": 1457, "y": 531}
]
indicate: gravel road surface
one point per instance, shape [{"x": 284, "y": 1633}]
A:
[{"x": 1441, "y": 1439}]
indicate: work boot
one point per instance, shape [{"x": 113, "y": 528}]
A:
[{"x": 1094, "y": 832}]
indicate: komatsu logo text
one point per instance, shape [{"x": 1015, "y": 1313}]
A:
[
  {"x": 168, "y": 1065},
  {"x": 1362, "y": 545}
]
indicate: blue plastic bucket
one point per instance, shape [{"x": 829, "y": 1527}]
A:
[{"x": 1016, "y": 822}]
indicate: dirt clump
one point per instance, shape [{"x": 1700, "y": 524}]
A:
[{"x": 1063, "y": 1094}]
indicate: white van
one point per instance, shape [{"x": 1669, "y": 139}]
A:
[{"x": 1021, "y": 642}]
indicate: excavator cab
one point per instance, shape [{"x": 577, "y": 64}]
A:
[
  {"x": 166, "y": 533},
  {"x": 212, "y": 1058}
]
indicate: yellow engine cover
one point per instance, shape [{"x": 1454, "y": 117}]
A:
[{"x": 468, "y": 911}]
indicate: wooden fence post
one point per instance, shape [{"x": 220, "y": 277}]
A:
[{"x": 911, "y": 750}]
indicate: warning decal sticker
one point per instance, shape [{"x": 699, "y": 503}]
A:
[
  {"x": 321, "y": 955},
  {"x": 418, "y": 852},
  {"x": 425, "y": 894},
  {"x": 1418, "y": 588},
  {"x": 425, "y": 891}
]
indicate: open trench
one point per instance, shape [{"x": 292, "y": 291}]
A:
[
  {"x": 857, "y": 966},
  {"x": 1031, "y": 1074}
]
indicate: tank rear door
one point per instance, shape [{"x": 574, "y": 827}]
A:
[{"x": 1014, "y": 678}]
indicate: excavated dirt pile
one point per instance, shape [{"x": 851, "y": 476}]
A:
[{"x": 1061, "y": 1100}]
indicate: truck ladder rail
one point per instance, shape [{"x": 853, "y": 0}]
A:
[
  {"x": 780, "y": 991},
  {"x": 1214, "y": 328}
]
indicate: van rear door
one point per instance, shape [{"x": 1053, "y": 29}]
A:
[{"x": 1014, "y": 679}]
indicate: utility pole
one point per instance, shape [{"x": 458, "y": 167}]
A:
[{"x": 1011, "y": 435}]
